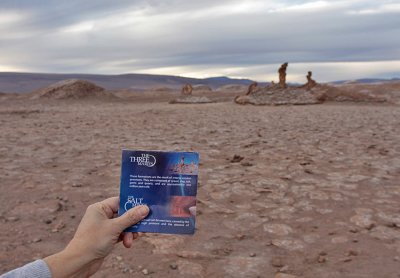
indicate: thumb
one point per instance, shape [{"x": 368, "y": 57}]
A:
[{"x": 131, "y": 217}]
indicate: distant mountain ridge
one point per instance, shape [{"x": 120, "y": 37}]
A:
[
  {"x": 13, "y": 82},
  {"x": 365, "y": 80}
]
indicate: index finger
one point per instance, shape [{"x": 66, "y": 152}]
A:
[{"x": 112, "y": 203}]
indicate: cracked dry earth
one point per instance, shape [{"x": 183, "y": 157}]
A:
[{"x": 313, "y": 191}]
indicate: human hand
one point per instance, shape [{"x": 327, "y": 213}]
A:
[{"x": 95, "y": 238}]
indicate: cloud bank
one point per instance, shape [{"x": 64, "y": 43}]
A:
[{"x": 336, "y": 39}]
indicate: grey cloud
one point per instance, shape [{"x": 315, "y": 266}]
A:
[{"x": 166, "y": 34}]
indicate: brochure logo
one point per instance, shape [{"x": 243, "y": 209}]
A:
[
  {"x": 133, "y": 202},
  {"x": 144, "y": 160}
]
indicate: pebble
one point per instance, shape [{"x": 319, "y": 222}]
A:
[
  {"x": 118, "y": 258},
  {"x": 321, "y": 259},
  {"x": 58, "y": 227},
  {"x": 47, "y": 221},
  {"x": 252, "y": 254},
  {"x": 145, "y": 271},
  {"x": 38, "y": 239},
  {"x": 352, "y": 253},
  {"x": 278, "y": 229},
  {"x": 58, "y": 207},
  {"x": 277, "y": 262},
  {"x": 12, "y": 218},
  {"x": 240, "y": 236},
  {"x": 284, "y": 268},
  {"x": 236, "y": 158},
  {"x": 173, "y": 266}
]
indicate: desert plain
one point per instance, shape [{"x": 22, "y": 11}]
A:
[{"x": 284, "y": 191}]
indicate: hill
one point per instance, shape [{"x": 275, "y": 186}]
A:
[{"x": 28, "y": 82}]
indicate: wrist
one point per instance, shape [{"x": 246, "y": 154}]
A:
[{"x": 68, "y": 263}]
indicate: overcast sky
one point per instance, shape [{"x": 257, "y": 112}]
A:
[{"x": 339, "y": 39}]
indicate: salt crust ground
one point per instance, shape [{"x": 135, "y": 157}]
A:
[{"x": 315, "y": 195}]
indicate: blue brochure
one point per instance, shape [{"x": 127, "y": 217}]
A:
[{"x": 164, "y": 181}]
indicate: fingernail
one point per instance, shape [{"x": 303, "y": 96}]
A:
[{"x": 143, "y": 211}]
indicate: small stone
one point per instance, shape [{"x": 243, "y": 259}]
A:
[
  {"x": 353, "y": 230},
  {"x": 240, "y": 236},
  {"x": 118, "y": 258},
  {"x": 58, "y": 227},
  {"x": 48, "y": 221},
  {"x": 75, "y": 184},
  {"x": 38, "y": 239},
  {"x": 323, "y": 253},
  {"x": 397, "y": 258},
  {"x": 284, "y": 268},
  {"x": 145, "y": 271},
  {"x": 339, "y": 239},
  {"x": 236, "y": 158},
  {"x": 321, "y": 259},
  {"x": 346, "y": 260},
  {"x": 12, "y": 218},
  {"x": 58, "y": 207},
  {"x": 173, "y": 266},
  {"x": 246, "y": 164},
  {"x": 352, "y": 253},
  {"x": 278, "y": 229},
  {"x": 363, "y": 220},
  {"x": 252, "y": 254},
  {"x": 277, "y": 262}
]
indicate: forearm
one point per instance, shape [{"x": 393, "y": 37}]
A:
[{"x": 68, "y": 263}]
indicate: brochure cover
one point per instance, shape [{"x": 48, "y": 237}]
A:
[{"x": 164, "y": 181}]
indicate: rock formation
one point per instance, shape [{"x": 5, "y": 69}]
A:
[
  {"x": 72, "y": 89},
  {"x": 282, "y": 75},
  {"x": 187, "y": 90},
  {"x": 278, "y": 96},
  {"x": 188, "y": 98},
  {"x": 310, "y": 82},
  {"x": 251, "y": 88}
]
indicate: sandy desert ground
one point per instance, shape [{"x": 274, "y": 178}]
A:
[{"x": 313, "y": 191}]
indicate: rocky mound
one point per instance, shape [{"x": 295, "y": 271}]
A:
[
  {"x": 191, "y": 100},
  {"x": 274, "y": 95},
  {"x": 278, "y": 96},
  {"x": 72, "y": 89}
]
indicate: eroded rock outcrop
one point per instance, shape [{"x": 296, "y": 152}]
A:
[
  {"x": 188, "y": 98},
  {"x": 277, "y": 96},
  {"x": 311, "y": 83},
  {"x": 251, "y": 88},
  {"x": 72, "y": 89},
  {"x": 187, "y": 90},
  {"x": 282, "y": 75}
]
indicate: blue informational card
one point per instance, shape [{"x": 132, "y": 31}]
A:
[{"x": 164, "y": 181}]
